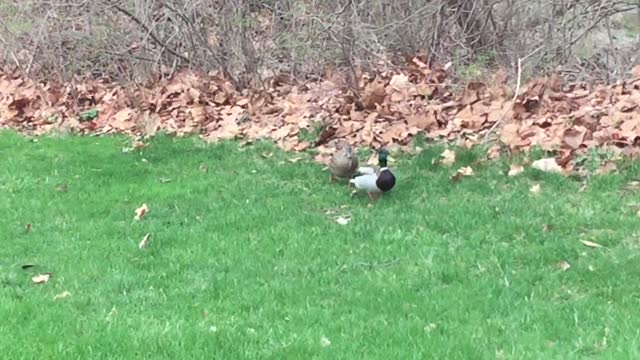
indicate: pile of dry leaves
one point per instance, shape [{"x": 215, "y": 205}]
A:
[{"x": 391, "y": 108}]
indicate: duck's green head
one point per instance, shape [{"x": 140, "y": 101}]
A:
[{"x": 382, "y": 157}]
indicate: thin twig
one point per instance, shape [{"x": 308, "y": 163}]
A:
[
  {"x": 151, "y": 35},
  {"x": 516, "y": 94}
]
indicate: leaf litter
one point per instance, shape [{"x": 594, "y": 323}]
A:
[
  {"x": 590, "y": 244},
  {"x": 391, "y": 107},
  {"x": 141, "y": 212},
  {"x": 41, "y": 278},
  {"x": 62, "y": 295},
  {"x": 144, "y": 242},
  {"x": 515, "y": 170}
]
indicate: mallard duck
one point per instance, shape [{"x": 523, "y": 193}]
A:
[
  {"x": 343, "y": 163},
  {"x": 375, "y": 184}
]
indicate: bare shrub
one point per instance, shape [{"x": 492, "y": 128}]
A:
[{"x": 248, "y": 40}]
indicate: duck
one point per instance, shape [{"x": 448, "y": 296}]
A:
[
  {"x": 375, "y": 184},
  {"x": 343, "y": 163}
]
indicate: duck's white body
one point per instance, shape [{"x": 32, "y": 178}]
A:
[{"x": 367, "y": 181}]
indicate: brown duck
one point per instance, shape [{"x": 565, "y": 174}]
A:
[{"x": 343, "y": 163}]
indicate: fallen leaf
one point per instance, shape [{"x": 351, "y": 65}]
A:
[
  {"x": 515, "y": 170},
  {"x": 325, "y": 342},
  {"x": 633, "y": 185},
  {"x": 493, "y": 152},
  {"x": 141, "y": 212},
  {"x": 448, "y": 157},
  {"x": 374, "y": 94},
  {"x": 607, "y": 167},
  {"x": 204, "y": 168},
  {"x": 295, "y": 159},
  {"x": 547, "y": 165},
  {"x": 464, "y": 171},
  {"x": 145, "y": 242},
  {"x": 430, "y": 327},
  {"x": 342, "y": 220},
  {"x": 28, "y": 228},
  {"x": 535, "y": 189},
  {"x": 41, "y": 278},
  {"x": 590, "y": 244},
  {"x": 62, "y": 188},
  {"x": 62, "y": 295},
  {"x": 564, "y": 266}
]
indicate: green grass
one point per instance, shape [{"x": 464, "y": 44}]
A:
[{"x": 245, "y": 264}]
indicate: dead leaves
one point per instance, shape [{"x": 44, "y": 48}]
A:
[
  {"x": 564, "y": 265},
  {"x": 448, "y": 157},
  {"x": 342, "y": 220},
  {"x": 392, "y": 107},
  {"x": 547, "y": 165},
  {"x": 144, "y": 242},
  {"x": 515, "y": 170},
  {"x": 141, "y": 212},
  {"x": 462, "y": 172},
  {"x": 590, "y": 244},
  {"x": 62, "y": 295},
  {"x": 535, "y": 189},
  {"x": 340, "y": 215},
  {"x": 41, "y": 278}
]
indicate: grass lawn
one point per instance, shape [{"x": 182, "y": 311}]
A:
[{"x": 244, "y": 262}]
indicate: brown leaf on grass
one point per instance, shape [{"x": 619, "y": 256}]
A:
[
  {"x": 607, "y": 167},
  {"x": 590, "y": 244},
  {"x": 141, "y": 212},
  {"x": 145, "y": 242},
  {"x": 41, "y": 278},
  {"x": 493, "y": 152},
  {"x": 342, "y": 220},
  {"x": 462, "y": 172},
  {"x": 632, "y": 185},
  {"x": 325, "y": 342},
  {"x": 564, "y": 265},
  {"x": 448, "y": 157},
  {"x": 547, "y": 165},
  {"x": 515, "y": 170},
  {"x": 28, "y": 228},
  {"x": 62, "y": 295},
  {"x": 295, "y": 159},
  {"x": 203, "y": 168}
]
